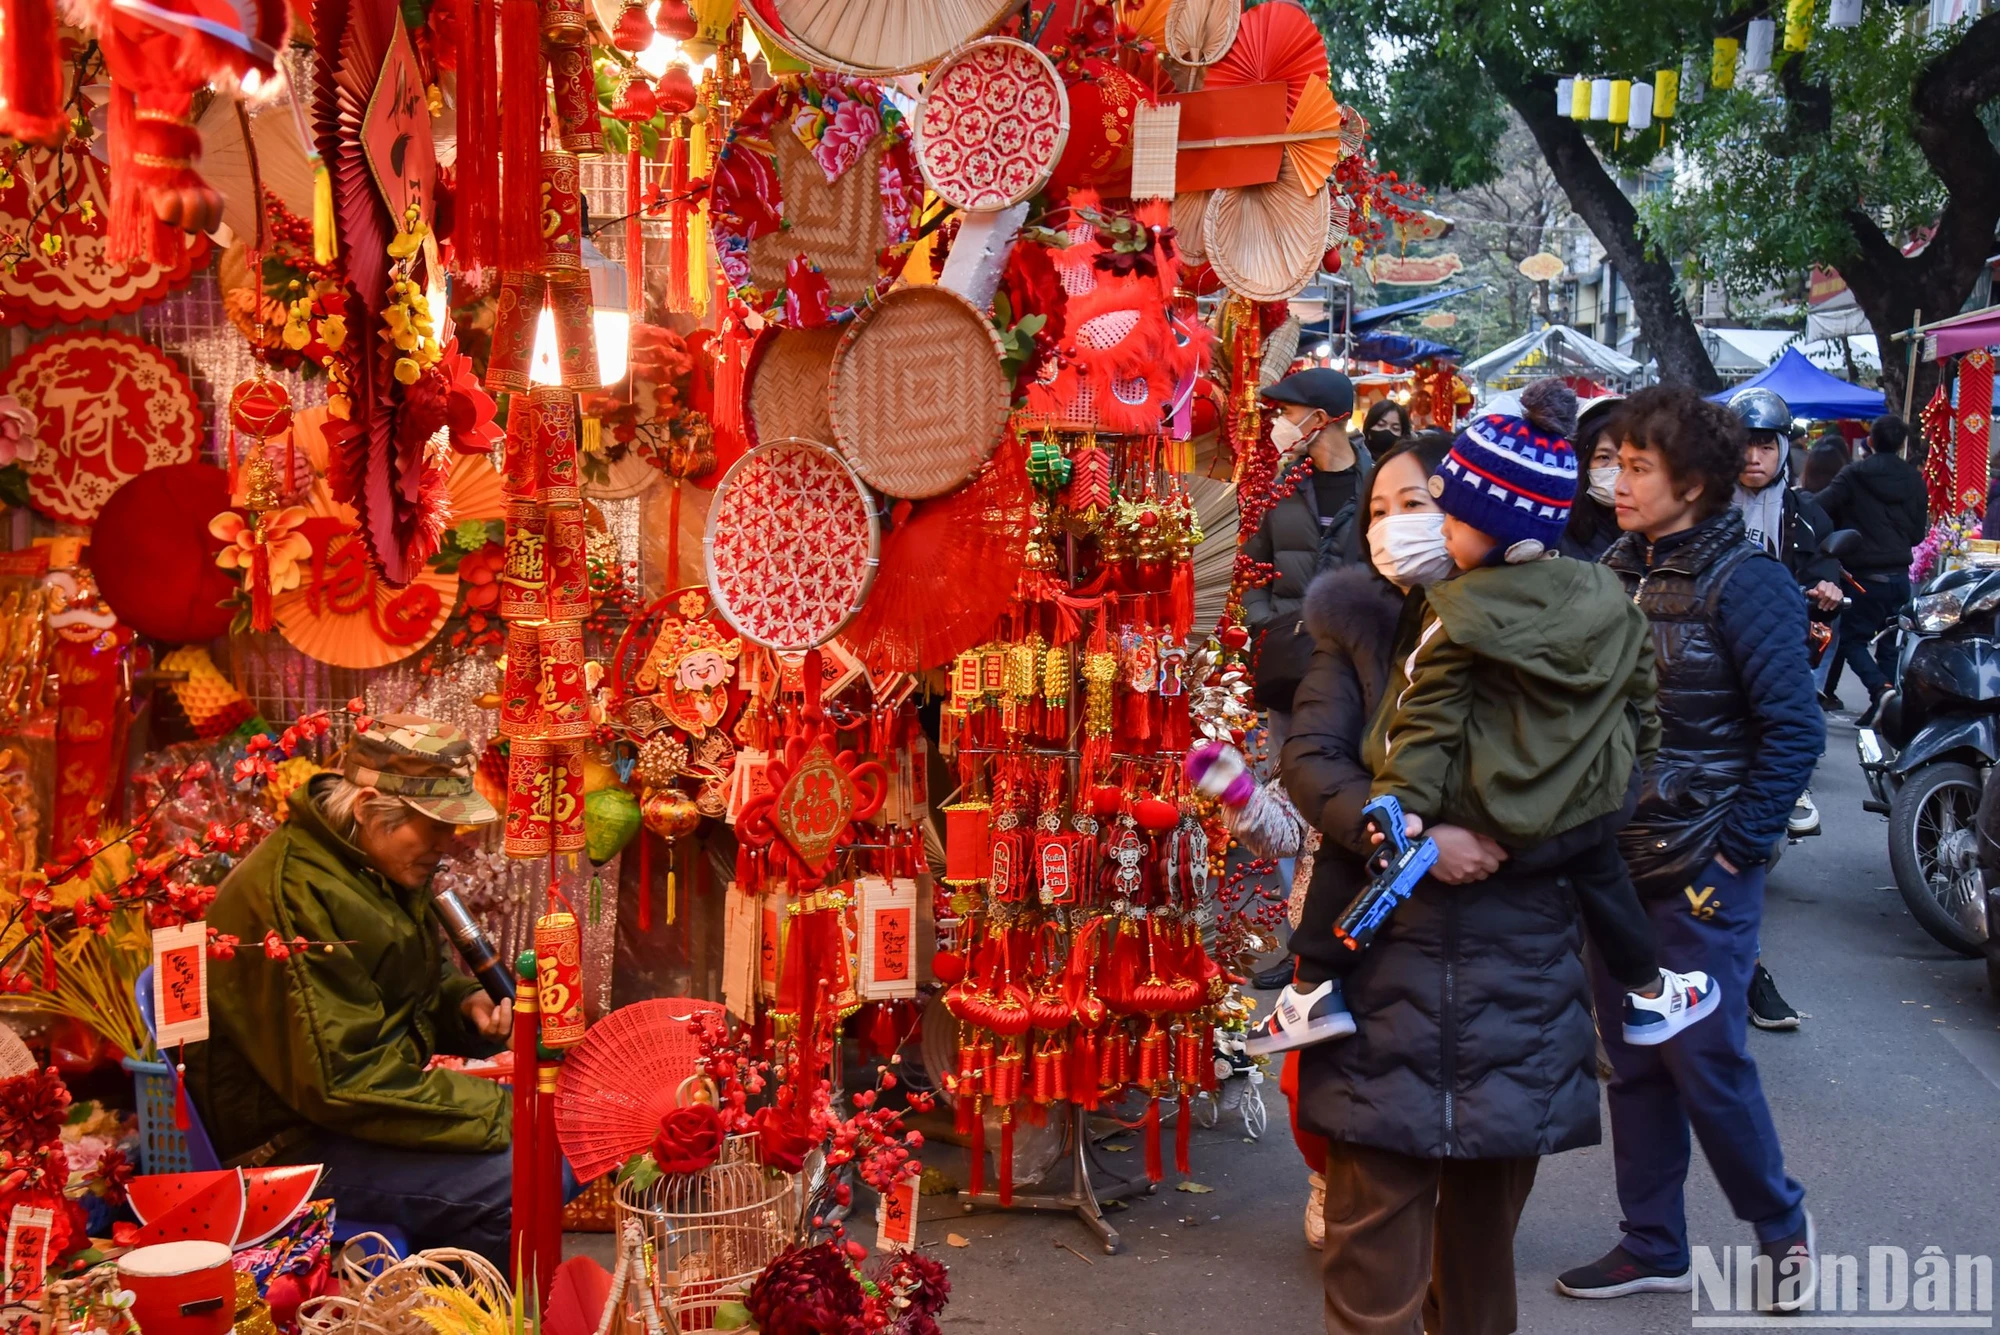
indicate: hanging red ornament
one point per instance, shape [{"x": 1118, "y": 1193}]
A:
[
  {"x": 675, "y": 19},
  {"x": 634, "y": 31},
  {"x": 635, "y": 100},
  {"x": 1331, "y": 260},
  {"x": 675, "y": 91}
]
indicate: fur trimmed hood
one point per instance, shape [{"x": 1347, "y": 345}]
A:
[{"x": 1354, "y": 611}]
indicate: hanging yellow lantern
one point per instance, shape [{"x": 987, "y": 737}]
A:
[
  {"x": 1579, "y": 104},
  {"x": 1621, "y": 101},
  {"x": 712, "y": 19},
  {"x": 1798, "y": 24},
  {"x": 1723, "y": 72},
  {"x": 1666, "y": 92}
]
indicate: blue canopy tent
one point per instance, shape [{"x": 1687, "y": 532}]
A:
[
  {"x": 1809, "y": 391},
  {"x": 1399, "y": 349}
]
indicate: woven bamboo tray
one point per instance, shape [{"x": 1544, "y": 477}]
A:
[
  {"x": 837, "y": 225},
  {"x": 789, "y": 385},
  {"x": 919, "y": 397},
  {"x": 879, "y": 38}
]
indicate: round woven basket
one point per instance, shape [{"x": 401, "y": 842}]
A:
[
  {"x": 788, "y": 385},
  {"x": 991, "y": 124},
  {"x": 877, "y": 39},
  {"x": 920, "y": 400},
  {"x": 791, "y": 546},
  {"x": 836, "y": 225},
  {"x": 1266, "y": 241}
]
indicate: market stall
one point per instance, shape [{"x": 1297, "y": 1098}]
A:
[
  {"x": 1556, "y": 350},
  {"x": 782, "y": 467}
]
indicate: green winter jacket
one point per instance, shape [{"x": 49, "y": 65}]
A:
[
  {"x": 335, "y": 1040},
  {"x": 1525, "y": 705}
]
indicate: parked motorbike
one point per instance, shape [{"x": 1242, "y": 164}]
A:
[{"x": 1930, "y": 745}]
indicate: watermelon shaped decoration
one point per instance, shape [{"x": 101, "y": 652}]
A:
[
  {"x": 272, "y": 1196},
  {"x": 212, "y": 1213},
  {"x": 159, "y": 1193}
]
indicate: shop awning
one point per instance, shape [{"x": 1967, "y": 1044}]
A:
[{"x": 1809, "y": 391}]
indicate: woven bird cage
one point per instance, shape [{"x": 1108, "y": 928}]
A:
[{"x": 712, "y": 1232}]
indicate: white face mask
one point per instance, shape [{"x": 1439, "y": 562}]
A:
[
  {"x": 1602, "y": 480},
  {"x": 1408, "y": 549},
  {"x": 1287, "y": 435}
]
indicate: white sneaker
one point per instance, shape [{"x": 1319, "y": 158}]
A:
[
  {"x": 1804, "y": 819},
  {"x": 1301, "y": 1019},
  {"x": 1316, "y": 1212},
  {"x": 1684, "y": 999}
]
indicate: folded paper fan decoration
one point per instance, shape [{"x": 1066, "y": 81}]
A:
[
  {"x": 882, "y": 37},
  {"x": 1276, "y": 40},
  {"x": 1266, "y": 240},
  {"x": 1315, "y": 146},
  {"x": 1200, "y": 32},
  {"x": 1148, "y": 18},
  {"x": 623, "y": 1078},
  {"x": 972, "y": 542}
]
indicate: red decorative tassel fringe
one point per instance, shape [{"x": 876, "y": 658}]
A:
[
  {"x": 1183, "y": 1132},
  {"x": 680, "y": 213},
  {"x": 1006, "y": 1159},
  {"x": 476, "y": 233},
  {"x": 975, "y": 1152},
  {"x": 521, "y": 110},
  {"x": 1155, "y": 1170}
]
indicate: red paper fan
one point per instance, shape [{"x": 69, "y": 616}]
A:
[
  {"x": 972, "y": 542},
  {"x": 622, "y": 1079},
  {"x": 1277, "y": 40}
]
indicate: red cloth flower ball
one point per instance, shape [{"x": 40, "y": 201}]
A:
[
  {"x": 783, "y": 1138},
  {"x": 690, "y": 1139}
]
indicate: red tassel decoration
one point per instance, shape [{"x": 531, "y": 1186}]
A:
[
  {"x": 31, "y": 83},
  {"x": 635, "y": 235},
  {"x": 48, "y": 963},
  {"x": 1183, "y": 1132},
  {"x": 475, "y": 235},
  {"x": 261, "y": 615},
  {"x": 525, "y": 1188},
  {"x": 1155, "y": 1169},
  {"x": 1007, "y": 1159},
  {"x": 975, "y": 1152},
  {"x": 521, "y": 109},
  {"x": 680, "y": 296},
  {"x": 1182, "y": 609}
]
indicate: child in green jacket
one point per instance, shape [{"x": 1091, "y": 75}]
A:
[{"x": 1525, "y": 708}]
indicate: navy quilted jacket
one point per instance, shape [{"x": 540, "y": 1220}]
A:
[{"x": 1741, "y": 727}]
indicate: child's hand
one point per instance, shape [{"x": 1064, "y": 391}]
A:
[{"x": 1413, "y": 825}]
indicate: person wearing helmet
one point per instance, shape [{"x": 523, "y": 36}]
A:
[{"x": 1789, "y": 525}]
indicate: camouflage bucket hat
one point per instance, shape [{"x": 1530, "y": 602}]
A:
[{"x": 425, "y": 763}]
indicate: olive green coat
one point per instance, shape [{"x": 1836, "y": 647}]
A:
[
  {"x": 336, "y": 1040},
  {"x": 1524, "y": 707}
]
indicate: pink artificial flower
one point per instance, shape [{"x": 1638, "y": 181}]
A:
[
  {"x": 17, "y": 432},
  {"x": 846, "y": 136}
]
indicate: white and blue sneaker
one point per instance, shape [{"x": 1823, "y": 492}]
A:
[
  {"x": 1685, "y": 999},
  {"x": 1300, "y": 1019}
]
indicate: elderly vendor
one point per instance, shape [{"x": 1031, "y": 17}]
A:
[{"x": 320, "y": 1057}]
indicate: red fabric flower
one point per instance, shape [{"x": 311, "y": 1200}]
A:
[
  {"x": 33, "y": 1108},
  {"x": 783, "y": 1138},
  {"x": 690, "y": 1139}
]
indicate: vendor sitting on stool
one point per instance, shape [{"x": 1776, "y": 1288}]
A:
[{"x": 320, "y": 1057}]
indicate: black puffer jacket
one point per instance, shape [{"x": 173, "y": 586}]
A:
[
  {"x": 1474, "y": 1040},
  {"x": 1290, "y": 538},
  {"x": 1740, "y": 727},
  {"x": 1882, "y": 496}
]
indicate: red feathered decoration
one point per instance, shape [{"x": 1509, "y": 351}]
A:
[{"x": 970, "y": 544}]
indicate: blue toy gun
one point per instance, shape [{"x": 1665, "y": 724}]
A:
[{"x": 1397, "y": 864}]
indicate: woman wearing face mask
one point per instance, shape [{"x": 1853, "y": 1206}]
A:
[
  {"x": 1472, "y": 1050},
  {"x": 1385, "y": 424},
  {"x": 1593, "y": 522}
]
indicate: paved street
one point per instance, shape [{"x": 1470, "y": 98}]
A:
[{"x": 1888, "y": 1099}]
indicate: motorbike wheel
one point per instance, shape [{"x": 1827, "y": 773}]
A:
[{"x": 1934, "y": 853}]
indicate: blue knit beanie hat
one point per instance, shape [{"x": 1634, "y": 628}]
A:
[{"x": 1512, "y": 476}]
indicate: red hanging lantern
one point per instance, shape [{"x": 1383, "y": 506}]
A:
[
  {"x": 676, "y": 20},
  {"x": 634, "y": 31},
  {"x": 675, "y": 91},
  {"x": 635, "y": 100}
]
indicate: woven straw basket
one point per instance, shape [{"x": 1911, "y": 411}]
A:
[
  {"x": 879, "y": 38},
  {"x": 919, "y": 397},
  {"x": 789, "y": 385},
  {"x": 837, "y": 225}
]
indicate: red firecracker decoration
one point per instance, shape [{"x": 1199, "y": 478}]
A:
[
  {"x": 30, "y": 73},
  {"x": 1974, "y": 421},
  {"x": 1935, "y": 419}
]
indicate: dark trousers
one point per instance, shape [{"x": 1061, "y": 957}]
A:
[
  {"x": 1620, "y": 930},
  {"x": 437, "y": 1199},
  {"x": 1882, "y": 597},
  {"x": 1421, "y": 1245},
  {"x": 1702, "y": 1079}
]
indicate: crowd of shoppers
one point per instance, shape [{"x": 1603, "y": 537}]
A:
[{"x": 1430, "y": 1071}]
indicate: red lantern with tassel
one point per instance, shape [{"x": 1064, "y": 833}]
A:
[
  {"x": 675, "y": 19},
  {"x": 676, "y": 91},
  {"x": 635, "y": 100},
  {"x": 634, "y": 31}
]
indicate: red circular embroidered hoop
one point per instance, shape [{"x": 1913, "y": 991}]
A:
[
  {"x": 791, "y": 545},
  {"x": 991, "y": 125}
]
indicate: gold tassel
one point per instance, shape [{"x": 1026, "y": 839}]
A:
[
  {"x": 325, "y": 244},
  {"x": 592, "y": 438}
]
